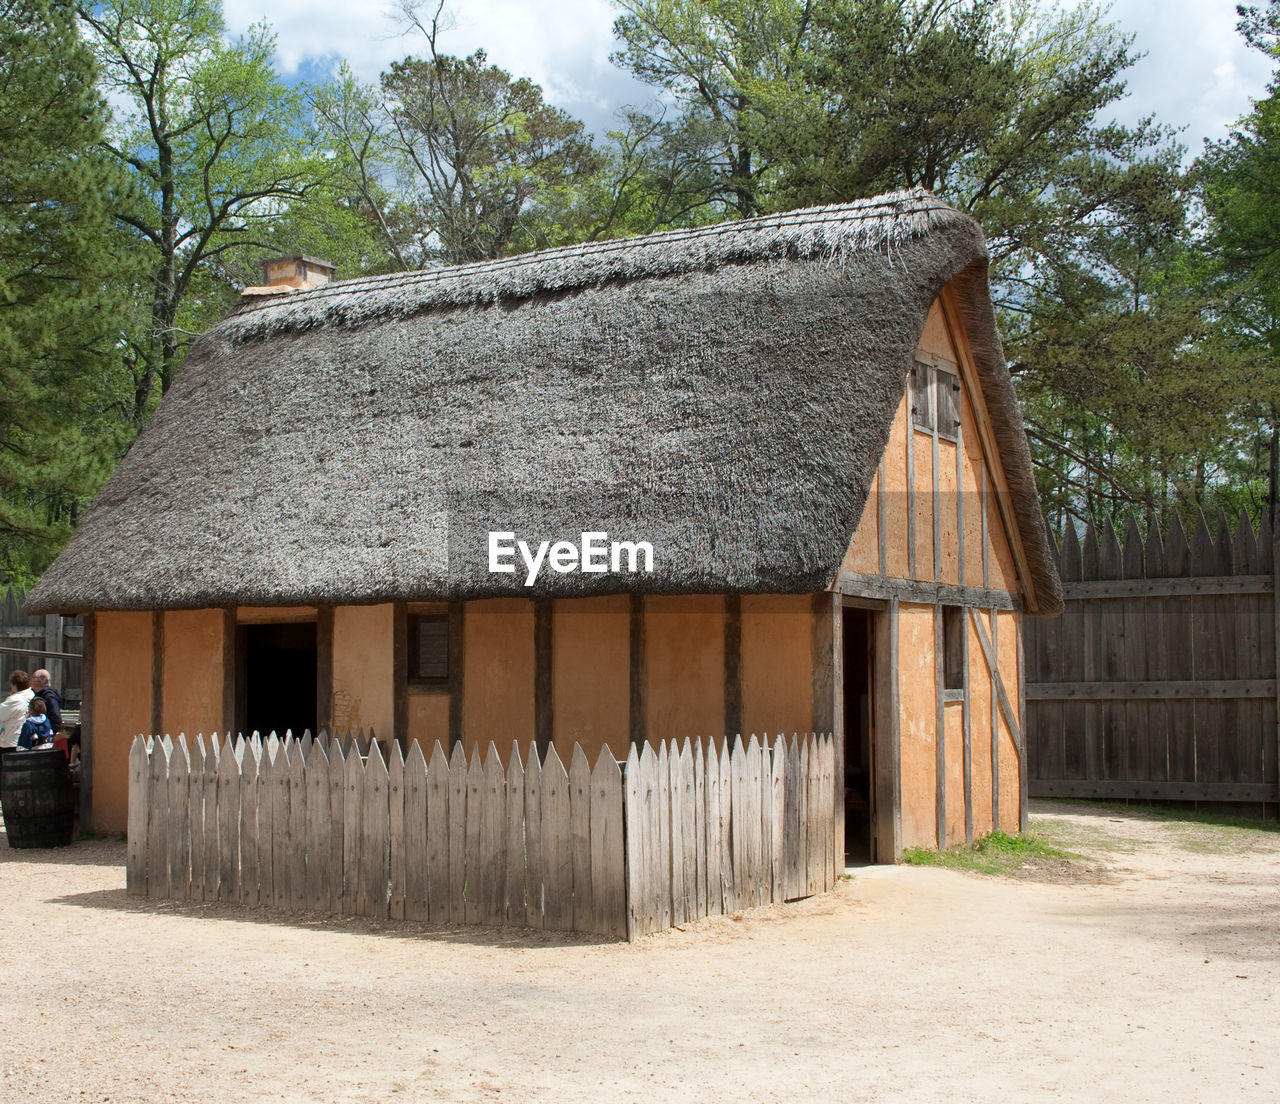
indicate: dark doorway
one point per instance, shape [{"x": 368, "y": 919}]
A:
[
  {"x": 277, "y": 678},
  {"x": 858, "y": 712}
]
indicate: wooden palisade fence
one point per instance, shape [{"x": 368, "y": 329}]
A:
[
  {"x": 621, "y": 849},
  {"x": 32, "y": 641},
  {"x": 1159, "y": 680}
]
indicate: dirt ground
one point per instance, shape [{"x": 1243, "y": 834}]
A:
[{"x": 1154, "y": 975}]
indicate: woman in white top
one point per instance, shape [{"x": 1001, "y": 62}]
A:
[{"x": 13, "y": 710}]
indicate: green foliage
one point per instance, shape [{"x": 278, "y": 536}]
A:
[
  {"x": 216, "y": 146},
  {"x": 998, "y": 853},
  {"x": 61, "y": 279}
]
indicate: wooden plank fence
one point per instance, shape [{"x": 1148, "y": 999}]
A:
[
  {"x": 27, "y": 641},
  {"x": 618, "y": 849},
  {"x": 1159, "y": 680}
]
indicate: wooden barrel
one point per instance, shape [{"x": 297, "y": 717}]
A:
[{"x": 35, "y": 792}]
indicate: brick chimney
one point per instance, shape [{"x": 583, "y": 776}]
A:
[{"x": 285, "y": 275}]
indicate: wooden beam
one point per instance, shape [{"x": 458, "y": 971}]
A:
[
  {"x": 922, "y": 593},
  {"x": 324, "y": 669},
  {"x": 733, "y": 663},
  {"x": 1174, "y": 690},
  {"x": 880, "y": 516},
  {"x": 457, "y": 672},
  {"x": 637, "y": 670},
  {"x": 982, "y": 421},
  {"x": 157, "y": 672},
  {"x": 937, "y": 502},
  {"x": 229, "y": 670},
  {"x": 400, "y": 671},
  {"x": 995, "y": 729},
  {"x": 1024, "y": 777},
  {"x": 940, "y": 742},
  {"x": 968, "y": 744},
  {"x": 960, "y": 500},
  {"x": 827, "y": 631},
  {"x": 87, "y": 696},
  {"x": 1141, "y": 790},
  {"x": 543, "y": 703},
  {"x": 887, "y": 750},
  {"x": 1161, "y": 588},
  {"x": 1006, "y": 707},
  {"x": 911, "y": 491}
]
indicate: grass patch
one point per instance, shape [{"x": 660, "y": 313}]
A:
[
  {"x": 86, "y": 835},
  {"x": 998, "y": 853},
  {"x": 1175, "y": 812}
]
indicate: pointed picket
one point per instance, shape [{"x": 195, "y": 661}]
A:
[
  {"x": 353, "y": 871},
  {"x": 608, "y": 879},
  {"x": 699, "y": 831},
  {"x": 440, "y": 902},
  {"x": 728, "y": 886},
  {"x": 633, "y": 845},
  {"x": 1225, "y": 549},
  {"x": 458, "y": 833},
  {"x": 250, "y": 869},
  {"x": 1177, "y": 550},
  {"x": 1133, "y": 554},
  {"x": 1110, "y": 558},
  {"x": 557, "y": 846},
  {"x": 1245, "y": 545},
  {"x": 298, "y": 795},
  {"x": 417, "y": 895},
  {"x": 715, "y": 855},
  {"x": 396, "y": 830},
  {"x": 375, "y": 837},
  {"x": 1089, "y": 553},
  {"x": 1072, "y": 556},
  {"x": 318, "y": 859},
  {"x": 655, "y": 871},
  {"x": 777, "y": 830},
  {"x": 1204, "y": 557},
  {"x": 683, "y": 777},
  {"x": 337, "y": 826},
  {"x": 582, "y": 905},
  {"x": 281, "y": 834},
  {"x": 535, "y": 902},
  {"x": 229, "y": 787},
  {"x": 139, "y": 809},
  {"x": 178, "y": 843},
  {"x": 675, "y": 833},
  {"x": 513, "y": 900},
  {"x": 1153, "y": 553},
  {"x": 158, "y": 825}
]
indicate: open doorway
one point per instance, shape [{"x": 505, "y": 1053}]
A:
[
  {"x": 858, "y": 742},
  {"x": 277, "y": 678}
]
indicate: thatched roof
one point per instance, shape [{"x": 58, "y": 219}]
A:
[{"x": 724, "y": 393}]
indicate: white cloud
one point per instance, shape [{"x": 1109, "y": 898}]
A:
[{"x": 1197, "y": 74}]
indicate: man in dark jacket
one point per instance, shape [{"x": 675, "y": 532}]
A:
[{"x": 51, "y": 698}]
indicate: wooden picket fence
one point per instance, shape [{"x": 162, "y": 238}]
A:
[{"x": 621, "y": 849}]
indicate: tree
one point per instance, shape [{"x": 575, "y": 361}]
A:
[
  {"x": 485, "y": 165},
  {"x": 60, "y": 284},
  {"x": 215, "y": 145},
  {"x": 1239, "y": 187},
  {"x": 726, "y": 63}
]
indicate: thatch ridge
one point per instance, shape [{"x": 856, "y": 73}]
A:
[
  {"x": 880, "y": 223},
  {"x": 725, "y": 393}
]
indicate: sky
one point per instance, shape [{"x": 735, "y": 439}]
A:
[{"x": 1196, "y": 75}]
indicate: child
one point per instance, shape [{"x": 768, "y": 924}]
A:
[{"x": 36, "y": 729}]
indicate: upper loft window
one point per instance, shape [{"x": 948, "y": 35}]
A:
[{"x": 935, "y": 400}]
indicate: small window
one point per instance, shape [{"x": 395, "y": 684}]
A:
[
  {"x": 947, "y": 393},
  {"x": 953, "y": 672},
  {"x": 922, "y": 396},
  {"x": 429, "y": 649}
]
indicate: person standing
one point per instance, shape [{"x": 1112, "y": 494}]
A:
[
  {"x": 51, "y": 698},
  {"x": 13, "y": 710}
]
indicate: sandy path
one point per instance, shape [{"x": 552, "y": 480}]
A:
[{"x": 908, "y": 984}]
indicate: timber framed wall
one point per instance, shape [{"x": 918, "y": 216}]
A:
[
  {"x": 1159, "y": 681},
  {"x": 937, "y": 533}
]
